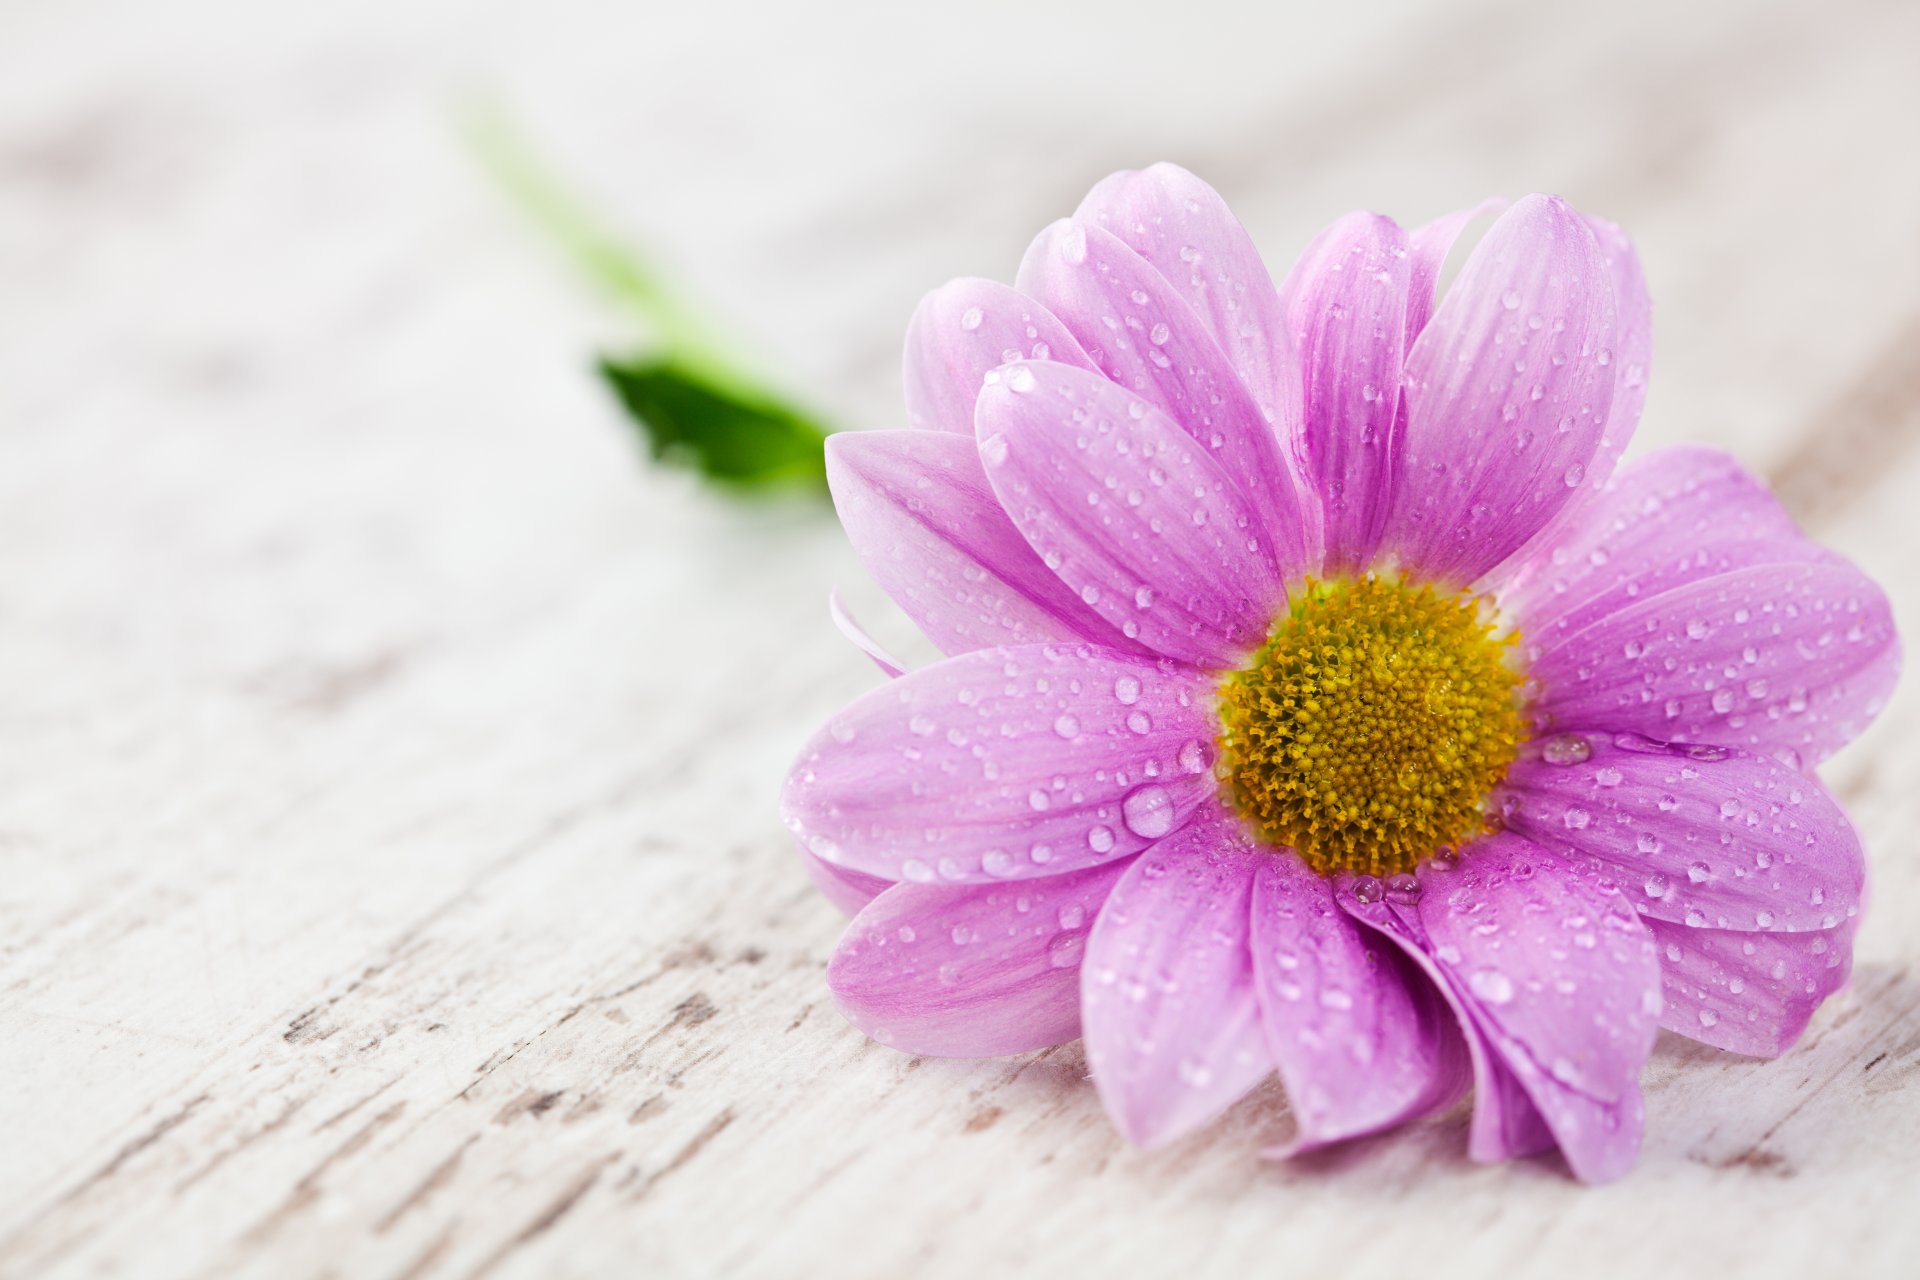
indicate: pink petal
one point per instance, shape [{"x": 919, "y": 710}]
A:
[
  {"x": 1171, "y": 1022},
  {"x": 1778, "y": 658},
  {"x": 919, "y": 512},
  {"x": 1749, "y": 993},
  {"x": 1702, "y": 836},
  {"x": 1553, "y": 962},
  {"x": 1428, "y": 248},
  {"x": 857, "y": 636},
  {"x": 1346, "y": 303},
  {"x": 1631, "y": 356},
  {"x": 973, "y": 971},
  {"x": 1667, "y": 518},
  {"x": 1506, "y": 397},
  {"x": 962, "y": 330},
  {"x": 1005, "y": 764},
  {"x": 1141, "y": 333},
  {"x": 1505, "y": 1122},
  {"x": 1362, "y": 1039},
  {"x": 1132, "y": 514},
  {"x": 1549, "y": 964},
  {"x": 1183, "y": 228},
  {"x": 848, "y": 890}
]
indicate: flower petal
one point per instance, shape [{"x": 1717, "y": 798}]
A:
[
  {"x": 1506, "y": 397},
  {"x": 1550, "y": 964},
  {"x": 1776, "y": 658},
  {"x": 960, "y": 332},
  {"x": 1748, "y": 993},
  {"x": 1428, "y": 247},
  {"x": 1631, "y": 355},
  {"x": 1566, "y": 981},
  {"x": 974, "y": 971},
  {"x": 858, "y": 636},
  {"x": 1505, "y": 1122},
  {"x": 1667, "y": 518},
  {"x": 1702, "y": 836},
  {"x": 848, "y": 890},
  {"x": 1346, "y": 302},
  {"x": 921, "y": 516},
  {"x": 1132, "y": 514},
  {"x": 1142, "y": 335},
  {"x": 1362, "y": 1039},
  {"x": 1168, "y": 1010},
  {"x": 1003, "y": 764},
  {"x": 1184, "y": 229}
]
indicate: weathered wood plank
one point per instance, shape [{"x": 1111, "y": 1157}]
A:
[{"x": 389, "y": 878}]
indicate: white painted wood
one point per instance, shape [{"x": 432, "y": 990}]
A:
[{"x": 390, "y": 882}]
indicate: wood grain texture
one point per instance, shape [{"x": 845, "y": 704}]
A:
[{"x": 390, "y": 882}]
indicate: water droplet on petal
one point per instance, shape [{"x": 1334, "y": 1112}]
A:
[
  {"x": 1566, "y": 748},
  {"x": 1148, "y": 811}
]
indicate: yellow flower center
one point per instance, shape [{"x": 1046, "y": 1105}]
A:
[{"x": 1369, "y": 731}]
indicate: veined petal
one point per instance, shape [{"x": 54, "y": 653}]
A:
[
  {"x": 919, "y": 512},
  {"x": 1005, "y": 764},
  {"x": 1505, "y": 1122},
  {"x": 960, "y": 332},
  {"x": 848, "y": 890},
  {"x": 1748, "y": 993},
  {"x": 1142, "y": 335},
  {"x": 1137, "y": 518},
  {"x": 1362, "y": 1039},
  {"x": 1566, "y": 982},
  {"x": 1507, "y": 398},
  {"x": 1553, "y": 967},
  {"x": 1631, "y": 355},
  {"x": 1168, "y": 1010},
  {"x": 1667, "y": 518},
  {"x": 1346, "y": 304},
  {"x": 1700, "y": 836},
  {"x": 1778, "y": 658},
  {"x": 972, "y": 971},
  {"x": 1428, "y": 247},
  {"x": 1182, "y": 227},
  {"x": 858, "y": 636}
]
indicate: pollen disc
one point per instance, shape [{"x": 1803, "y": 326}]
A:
[{"x": 1369, "y": 731}]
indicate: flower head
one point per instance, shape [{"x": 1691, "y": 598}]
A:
[{"x": 1320, "y": 698}]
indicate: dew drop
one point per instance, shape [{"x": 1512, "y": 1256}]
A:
[
  {"x": 1148, "y": 811},
  {"x": 1403, "y": 888},
  {"x": 1566, "y": 748}
]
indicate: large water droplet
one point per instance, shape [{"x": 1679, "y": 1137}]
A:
[
  {"x": 1148, "y": 811},
  {"x": 1566, "y": 748}
]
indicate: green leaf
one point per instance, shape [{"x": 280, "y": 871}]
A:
[
  {"x": 735, "y": 434},
  {"x": 694, "y": 404}
]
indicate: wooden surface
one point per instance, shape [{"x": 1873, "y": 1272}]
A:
[{"x": 390, "y": 879}]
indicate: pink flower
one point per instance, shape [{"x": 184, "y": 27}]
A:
[{"x": 1321, "y": 699}]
